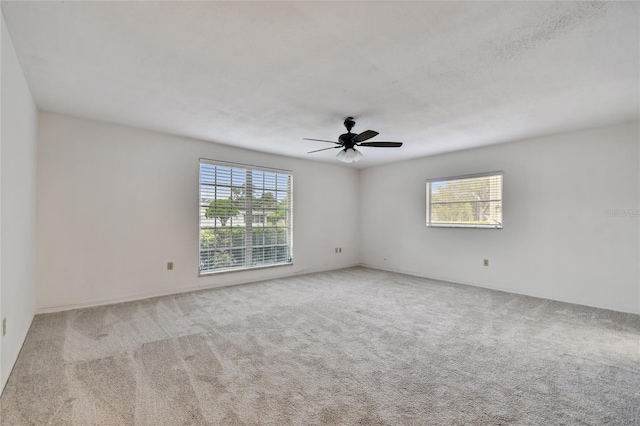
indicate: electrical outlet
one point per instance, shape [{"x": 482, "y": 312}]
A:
[
  {"x": 486, "y": 262},
  {"x": 4, "y": 326},
  {"x": 339, "y": 249},
  {"x": 169, "y": 266}
]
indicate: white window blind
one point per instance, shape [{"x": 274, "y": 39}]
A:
[
  {"x": 246, "y": 217},
  {"x": 473, "y": 201}
]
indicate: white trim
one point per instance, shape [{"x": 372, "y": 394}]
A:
[
  {"x": 153, "y": 295},
  {"x": 464, "y": 225},
  {"x": 106, "y": 302},
  {"x": 501, "y": 289},
  {"x": 246, "y": 268}
]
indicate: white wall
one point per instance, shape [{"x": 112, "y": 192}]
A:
[
  {"x": 556, "y": 243},
  {"x": 17, "y": 206},
  {"x": 115, "y": 204}
]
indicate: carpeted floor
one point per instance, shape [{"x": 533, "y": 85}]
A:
[{"x": 348, "y": 347}]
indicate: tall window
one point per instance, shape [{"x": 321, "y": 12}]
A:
[
  {"x": 473, "y": 201},
  {"x": 245, "y": 217}
]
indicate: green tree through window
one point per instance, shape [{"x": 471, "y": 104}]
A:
[{"x": 223, "y": 210}]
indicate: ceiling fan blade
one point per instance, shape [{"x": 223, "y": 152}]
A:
[
  {"x": 367, "y": 134},
  {"x": 320, "y": 140},
  {"x": 382, "y": 144},
  {"x": 324, "y": 149}
]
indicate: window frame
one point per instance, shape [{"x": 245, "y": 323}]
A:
[
  {"x": 429, "y": 193},
  {"x": 247, "y": 227}
]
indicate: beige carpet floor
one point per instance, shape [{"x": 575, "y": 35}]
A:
[{"x": 348, "y": 347}]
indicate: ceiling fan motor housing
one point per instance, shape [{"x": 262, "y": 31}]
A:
[{"x": 346, "y": 140}]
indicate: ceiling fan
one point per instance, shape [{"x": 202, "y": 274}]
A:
[{"x": 348, "y": 142}]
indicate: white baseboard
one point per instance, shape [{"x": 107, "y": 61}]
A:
[
  {"x": 504, "y": 290},
  {"x": 105, "y": 302},
  {"x": 143, "y": 296}
]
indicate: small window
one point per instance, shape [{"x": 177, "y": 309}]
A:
[
  {"x": 473, "y": 201},
  {"x": 246, "y": 217}
]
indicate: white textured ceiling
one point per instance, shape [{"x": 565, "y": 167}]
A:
[{"x": 438, "y": 76}]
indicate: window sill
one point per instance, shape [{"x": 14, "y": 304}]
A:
[
  {"x": 466, "y": 226},
  {"x": 244, "y": 269}
]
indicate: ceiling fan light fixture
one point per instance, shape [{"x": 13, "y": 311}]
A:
[
  {"x": 349, "y": 155},
  {"x": 358, "y": 155}
]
